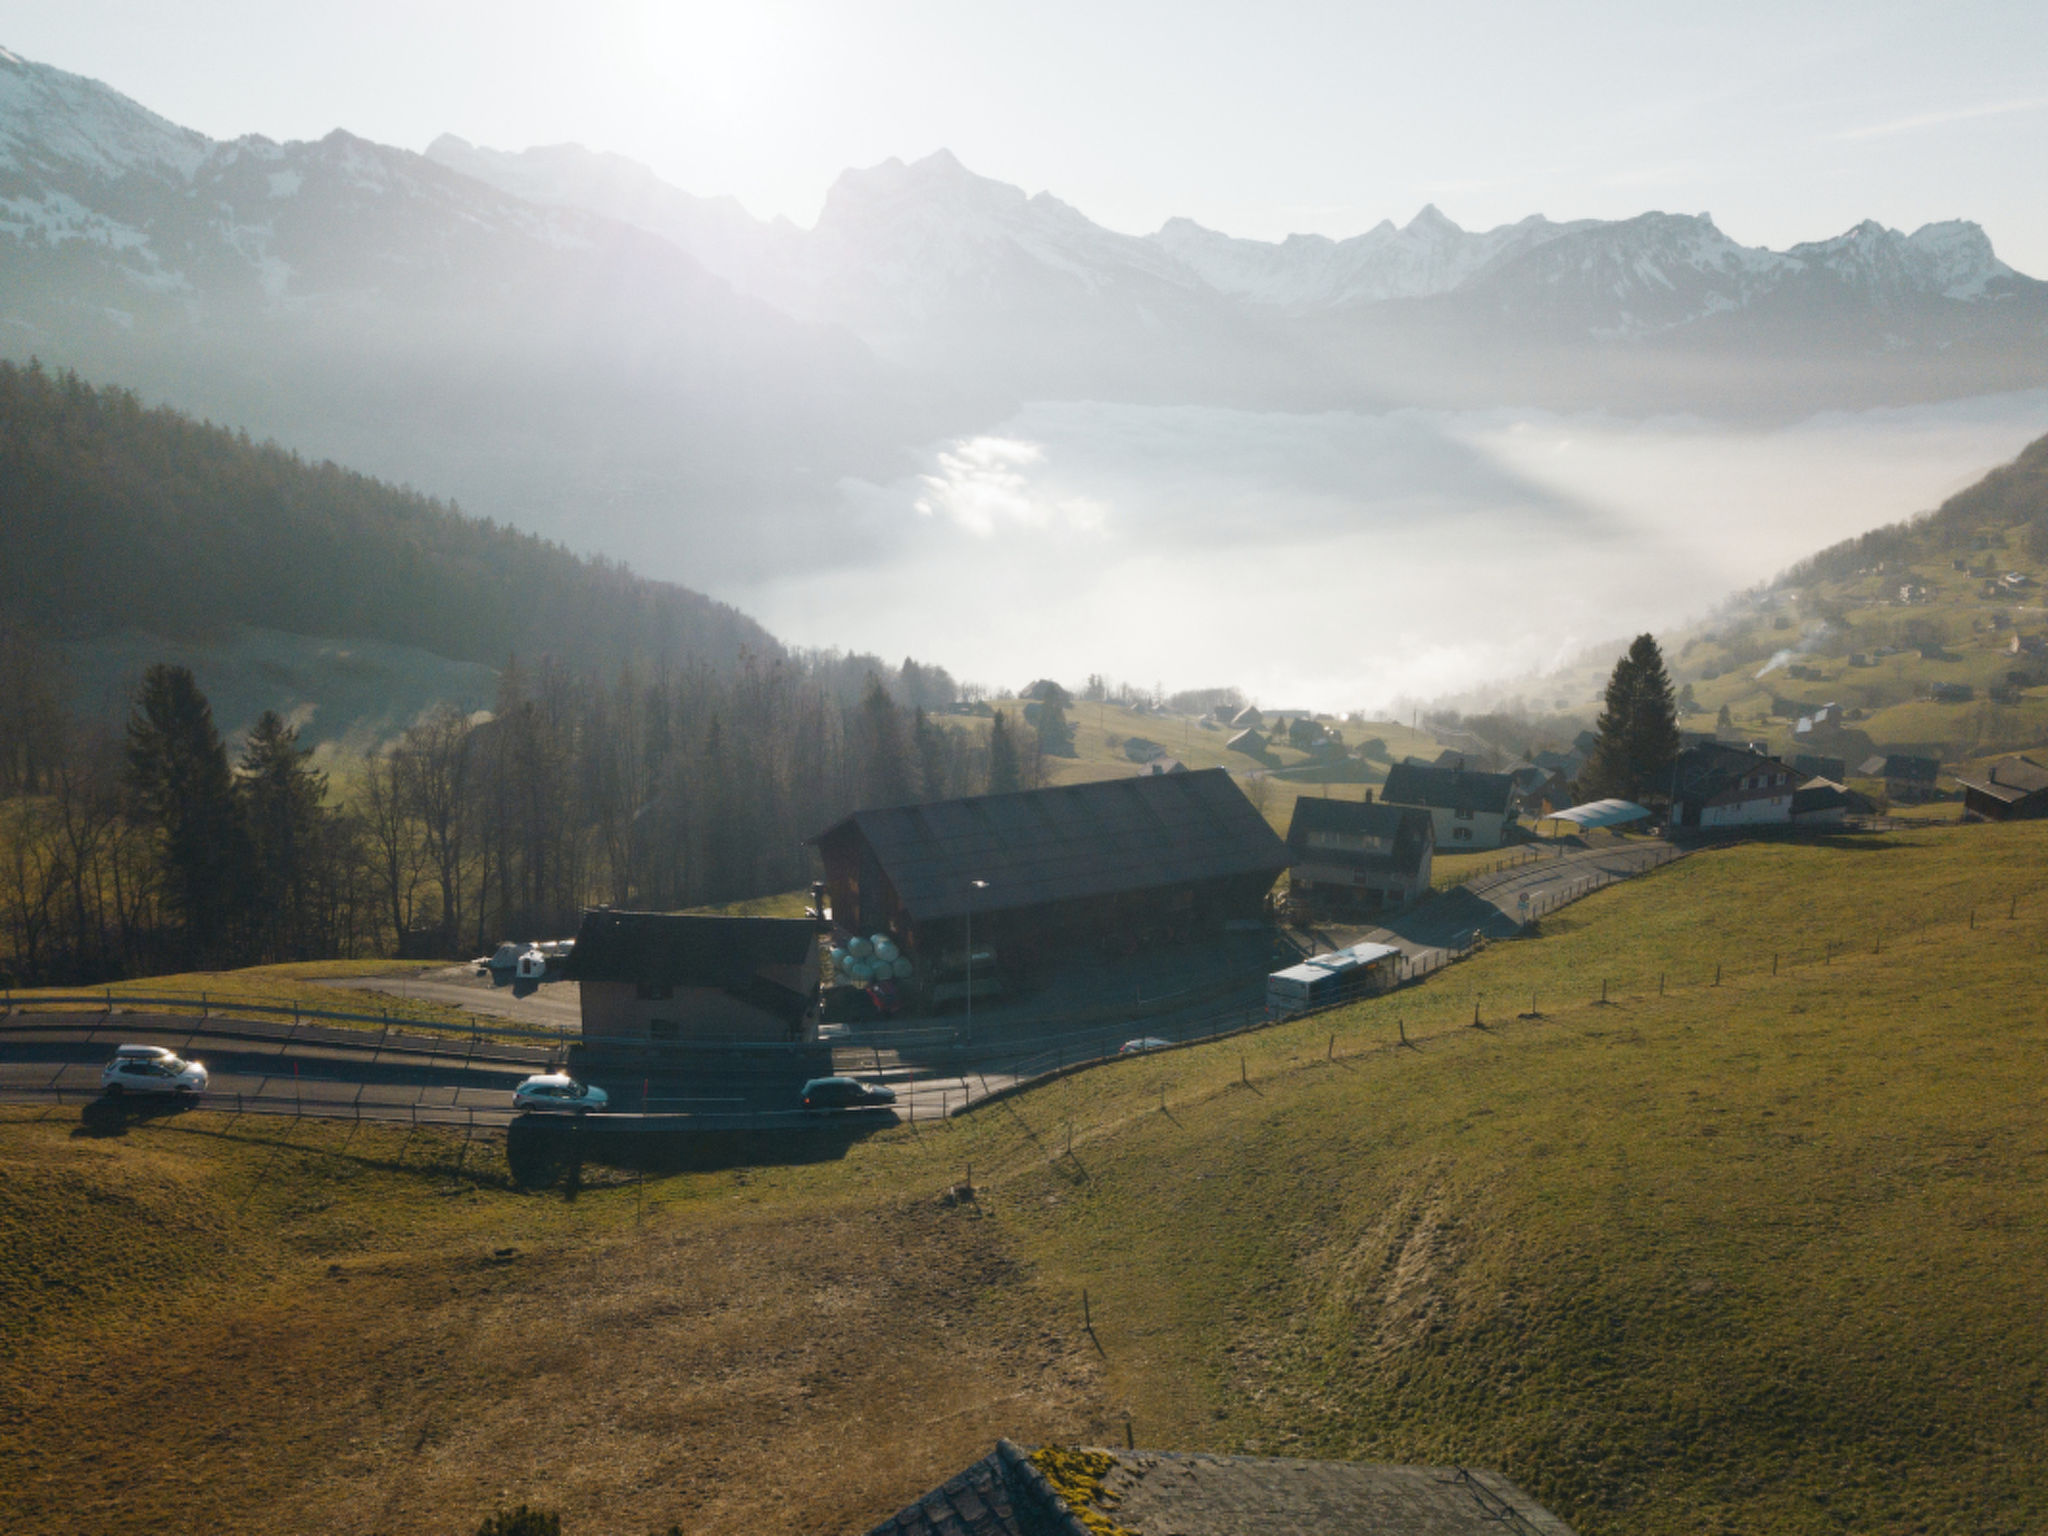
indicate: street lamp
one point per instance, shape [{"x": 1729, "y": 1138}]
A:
[{"x": 973, "y": 886}]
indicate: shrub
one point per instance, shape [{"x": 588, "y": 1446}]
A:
[{"x": 522, "y": 1521}]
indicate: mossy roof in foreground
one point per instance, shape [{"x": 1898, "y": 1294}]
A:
[{"x": 1067, "y": 1492}]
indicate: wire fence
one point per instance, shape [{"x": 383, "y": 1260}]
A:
[
  {"x": 946, "y": 1054},
  {"x": 217, "y": 1005}
]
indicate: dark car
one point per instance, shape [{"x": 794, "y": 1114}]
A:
[{"x": 845, "y": 1093}]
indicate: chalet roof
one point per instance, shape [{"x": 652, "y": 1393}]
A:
[
  {"x": 1901, "y": 765},
  {"x": 1448, "y": 789},
  {"x": 1005, "y": 1494},
  {"x": 1715, "y": 771},
  {"x": 2009, "y": 781},
  {"x": 1066, "y": 843},
  {"x": 1407, "y": 828},
  {"x": 674, "y": 949}
]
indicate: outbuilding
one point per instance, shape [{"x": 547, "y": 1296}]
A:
[
  {"x": 669, "y": 976},
  {"x": 2014, "y": 789}
]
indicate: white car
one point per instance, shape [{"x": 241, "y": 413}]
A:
[
  {"x": 152, "y": 1069},
  {"x": 559, "y": 1093}
]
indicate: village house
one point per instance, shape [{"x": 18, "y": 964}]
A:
[
  {"x": 1352, "y": 856},
  {"x": 2014, "y": 789},
  {"x": 1721, "y": 786},
  {"x": 664, "y": 976},
  {"x": 1908, "y": 779},
  {"x": 1471, "y": 810}
]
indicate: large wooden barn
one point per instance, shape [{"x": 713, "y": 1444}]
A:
[{"x": 1110, "y": 865}]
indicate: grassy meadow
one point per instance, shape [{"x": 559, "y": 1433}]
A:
[
  {"x": 295, "y": 984},
  {"x": 1770, "y": 1254}
]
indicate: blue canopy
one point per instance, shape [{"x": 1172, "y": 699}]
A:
[{"x": 1600, "y": 813}]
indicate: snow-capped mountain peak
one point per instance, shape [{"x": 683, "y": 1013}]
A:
[{"x": 58, "y": 126}]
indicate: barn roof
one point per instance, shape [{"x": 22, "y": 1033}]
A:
[
  {"x": 1066, "y": 843},
  {"x": 1448, "y": 789},
  {"x": 673, "y": 949},
  {"x": 1407, "y": 829},
  {"x": 1008, "y": 1494}
]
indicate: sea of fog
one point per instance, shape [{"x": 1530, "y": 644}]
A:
[{"x": 1347, "y": 560}]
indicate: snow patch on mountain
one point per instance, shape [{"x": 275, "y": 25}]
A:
[{"x": 52, "y": 122}]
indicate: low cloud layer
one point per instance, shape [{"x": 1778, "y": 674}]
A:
[{"x": 1345, "y": 559}]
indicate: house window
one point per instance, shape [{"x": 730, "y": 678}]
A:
[
  {"x": 1461, "y": 834},
  {"x": 1463, "y": 813},
  {"x": 652, "y": 992},
  {"x": 661, "y": 1029}
]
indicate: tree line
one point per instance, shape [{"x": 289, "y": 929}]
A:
[{"x": 154, "y": 848}]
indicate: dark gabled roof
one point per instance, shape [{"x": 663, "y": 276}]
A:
[
  {"x": 672, "y": 949},
  {"x": 1000, "y": 1495},
  {"x": 1449, "y": 789},
  {"x": 1901, "y": 765},
  {"x": 1005, "y": 1494},
  {"x": 2009, "y": 781},
  {"x": 1067, "y": 843},
  {"x": 1407, "y": 828},
  {"x": 1703, "y": 772}
]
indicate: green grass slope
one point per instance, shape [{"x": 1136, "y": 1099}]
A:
[{"x": 1770, "y": 1254}]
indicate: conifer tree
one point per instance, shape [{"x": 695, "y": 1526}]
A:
[
  {"x": 178, "y": 770},
  {"x": 282, "y": 794},
  {"x": 1637, "y": 734},
  {"x": 1005, "y": 771}
]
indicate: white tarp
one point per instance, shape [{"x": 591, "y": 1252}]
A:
[{"x": 1600, "y": 813}]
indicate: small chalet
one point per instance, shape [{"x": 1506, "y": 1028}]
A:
[
  {"x": 1471, "y": 810},
  {"x": 1151, "y": 856},
  {"x": 1353, "y": 856},
  {"x": 2015, "y": 789},
  {"x": 1907, "y": 779},
  {"x": 1014, "y": 1492},
  {"x": 654, "y": 976},
  {"x": 1723, "y": 786}
]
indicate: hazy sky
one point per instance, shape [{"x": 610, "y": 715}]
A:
[{"x": 1785, "y": 121}]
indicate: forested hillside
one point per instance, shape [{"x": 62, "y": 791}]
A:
[{"x": 114, "y": 516}]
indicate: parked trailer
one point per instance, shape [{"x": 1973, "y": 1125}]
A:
[{"x": 1359, "y": 971}]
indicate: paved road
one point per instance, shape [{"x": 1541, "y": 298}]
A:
[
  {"x": 358, "y": 1073},
  {"x": 1491, "y": 906}
]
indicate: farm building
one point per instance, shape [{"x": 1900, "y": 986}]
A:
[
  {"x": 1471, "y": 810},
  {"x": 2014, "y": 789},
  {"x": 1350, "y": 855},
  {"x": 1006, "y": 1493},
  {"x": 1907, "y": 779},
  {"x": 673, "y": 976},
  {"x": 1116, "y": 862},
  {"x": 1720, "y": 786}
]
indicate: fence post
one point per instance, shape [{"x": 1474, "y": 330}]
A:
[
  {"x": 1717, "y": 973},
  {"x": 1774, "y": 962}
]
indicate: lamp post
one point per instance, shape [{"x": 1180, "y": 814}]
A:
[{"x": 974, "y": 887}]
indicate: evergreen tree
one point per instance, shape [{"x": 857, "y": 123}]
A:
[
  {"x": 1725, "y": 721},
  {"x": 887, "y": 771},
  {"x": 1005, "y": 770},
  {"x": 178, "y": 770},
  {"x": 1055, "y": 733},
  {"x": 282, "y": 795},
  {"x": 1637, "y": 734}
]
